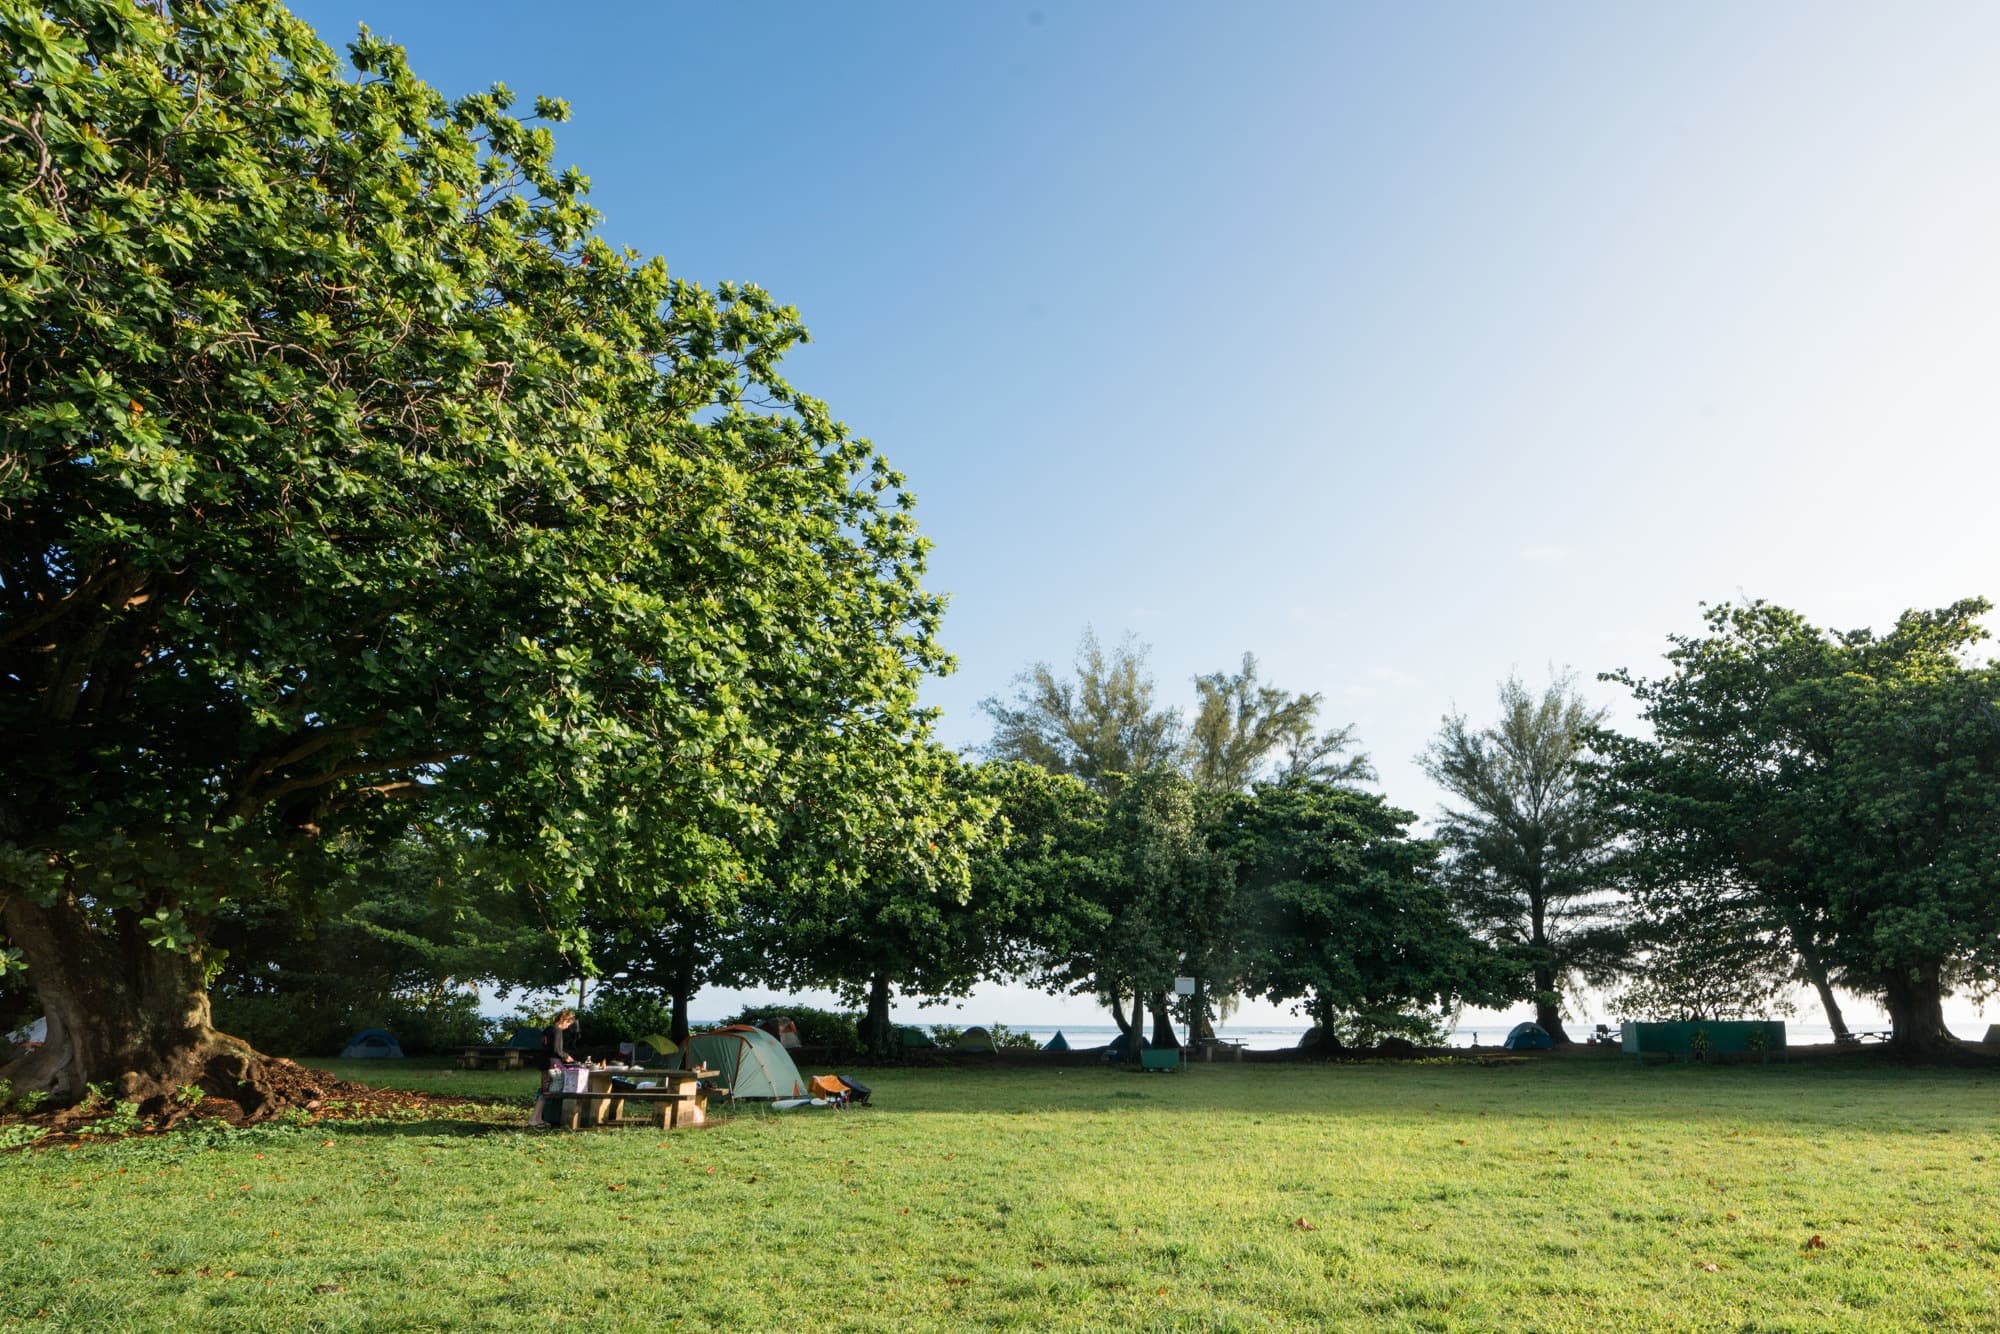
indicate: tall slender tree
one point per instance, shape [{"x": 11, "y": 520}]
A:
[
  {"x": 1244, "y": 728},
  {"x": 1526, "y": 848},
  {"x": 1099, "y": 724}
]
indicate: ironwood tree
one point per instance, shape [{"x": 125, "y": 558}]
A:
[
  {"x": 346, "y": 471},
  {"x": 1527, "y": 850}
]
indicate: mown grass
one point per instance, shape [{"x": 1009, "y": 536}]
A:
[{"x": 1573, "y": 1194}]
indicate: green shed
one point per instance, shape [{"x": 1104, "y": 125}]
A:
[{"x": 1706, "y": 1037}]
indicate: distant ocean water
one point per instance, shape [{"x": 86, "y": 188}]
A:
[{"x": 1274, "y": 1037}]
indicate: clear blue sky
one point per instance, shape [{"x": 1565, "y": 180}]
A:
[{"x": 1402, "y": 345}]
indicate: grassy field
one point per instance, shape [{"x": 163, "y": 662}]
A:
[{"x": 1572, "y": 1194}]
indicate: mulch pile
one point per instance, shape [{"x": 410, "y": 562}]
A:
[{"x": 315, "y": 1094}]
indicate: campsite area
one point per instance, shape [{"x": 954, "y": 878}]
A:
[{"x": 1569, "y": 1192}]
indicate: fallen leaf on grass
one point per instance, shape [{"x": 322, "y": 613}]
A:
[
  {"x": 614, "y": 1187},
  {"x": 1036, "y": 1264},
  {"x": 1710, "y": 1267},
  {"x": 1814, "y": 1243},
  {"x": 1729, "y": 1218},
  {"x": 1303, "y": 1226},
  {"x": 326, "y": 1144},
  {"x": 322, "y": 1288}
]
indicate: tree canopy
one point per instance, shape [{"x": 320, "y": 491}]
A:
[
  {"x": 346, "y": 469},
  {"x": 1846, "y": 785},
  {"x": 1526, "y": 848}
]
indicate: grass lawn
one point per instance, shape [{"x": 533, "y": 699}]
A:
[{"x": 1571, "y": 1194}]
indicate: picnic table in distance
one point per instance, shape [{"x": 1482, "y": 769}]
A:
[{"x": 676, "y": 1094}]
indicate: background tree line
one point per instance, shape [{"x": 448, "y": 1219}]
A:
[{"x": 388, "y": 560}]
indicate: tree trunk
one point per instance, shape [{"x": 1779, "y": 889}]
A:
[
  {"x": 1814, "y": 967},
  {"x": 1163, "y": 1023},
  {"x": 682, "y": 991},
  {"x": 1548, "y": 1006},
  {"x": 875, "y": 1032},
  {"x": 124, "y": 1014},
  {"x": 1915, "y": 1001},
  {"x": 1125, "y": 1026}
]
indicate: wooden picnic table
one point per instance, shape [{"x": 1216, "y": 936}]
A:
[
  {"x": 677, "y": 1094},
  {"x": 491, "y": 1058}
]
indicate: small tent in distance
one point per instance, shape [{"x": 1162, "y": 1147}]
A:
[
  {"x": 913, "y": 1037},
  {"x": 372, "y": 1044},
  {"x": 1056, "y": 1043},
  {"x": 752, "y": 1063},
  {"x": 654, "y": 1046},
  {"x": 1529, "y": 1037},
  {"x": 975, "y": 1038}
]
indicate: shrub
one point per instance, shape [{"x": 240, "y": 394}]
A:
[
  {"x": 817, "y": 1027},
  {"x": 1007, "y": 1039},
  {"x": 424, "y": 1026},
  {"x": 287, "y": 1023},
  {"x": 617, "y": 1015}
]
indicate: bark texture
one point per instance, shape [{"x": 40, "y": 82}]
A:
[{"x": 125, "y": 1014}]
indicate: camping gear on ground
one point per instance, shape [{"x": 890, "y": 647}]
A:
[
  {"x": 372, "y": 1044},
  {"x": 34, "y": 1035},
  {"x": 1529, "y": 1037},
  {"x": 826, "y": 1086},
  {"x": 525, "y": 1038},
  {"x": 912, "y": 1036},
  {"x": 654, "y": 1045},
  {"x": 753, "y": 1064},
  {"x": 804, "y": 1104},
  {"x": 857, "y": 1092},
  {"x": 974, "y": 1039},
  {"x": 784, "y": 1030},
  {"x": 1056, "y": 1043},
  {"x": 1118, "y": 1045}
]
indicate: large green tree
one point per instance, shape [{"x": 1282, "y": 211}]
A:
[
  {"x": 1345, "y": 912},
  {"x": 1526, "y": 849},
  {"x": 1845, "y": 785},
  {"x": 345, "y": 469}
]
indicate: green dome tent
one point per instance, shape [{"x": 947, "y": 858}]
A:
[
  {"x": 752, "y": 1062},
  {"x": 658, "y": 1043},
  {"x": 372, "y": 1044},
  {"x": 974, "y": 1039},
  {"x": 1056, "y": 1043},
  {"x": 1529, "y": 1037},
  {"x": 912, "y": 1036}
]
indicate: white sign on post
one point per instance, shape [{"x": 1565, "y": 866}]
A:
[{"x": 1184, "y": 986}]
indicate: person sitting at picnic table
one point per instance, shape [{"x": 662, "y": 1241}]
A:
[{"x": 556, "y": 1040}]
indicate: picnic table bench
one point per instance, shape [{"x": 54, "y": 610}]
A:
[
  {"x": 491, "y": 1058},
  {"x": 677, "y": 1095},
  {"x": 1161, "y": 1058}
]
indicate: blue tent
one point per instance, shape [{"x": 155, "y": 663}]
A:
[
  {"x": 372, "y": 1044},
  {"x": 1529, "y": 1037},
  {"x": 525, "y": 1038},
  {"x": 1118, "y": 1045},
  {"x": 1056, "y": 1043}
]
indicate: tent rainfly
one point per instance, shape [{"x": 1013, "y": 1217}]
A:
[
  {"x": 1529, "y": 1037},
  {"x": 753, "y": 1064},
  {"x": 373, "y": 1044},
  {"x": 974, "y": 1039},
  {"x": 1056, "y": 1043}
]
